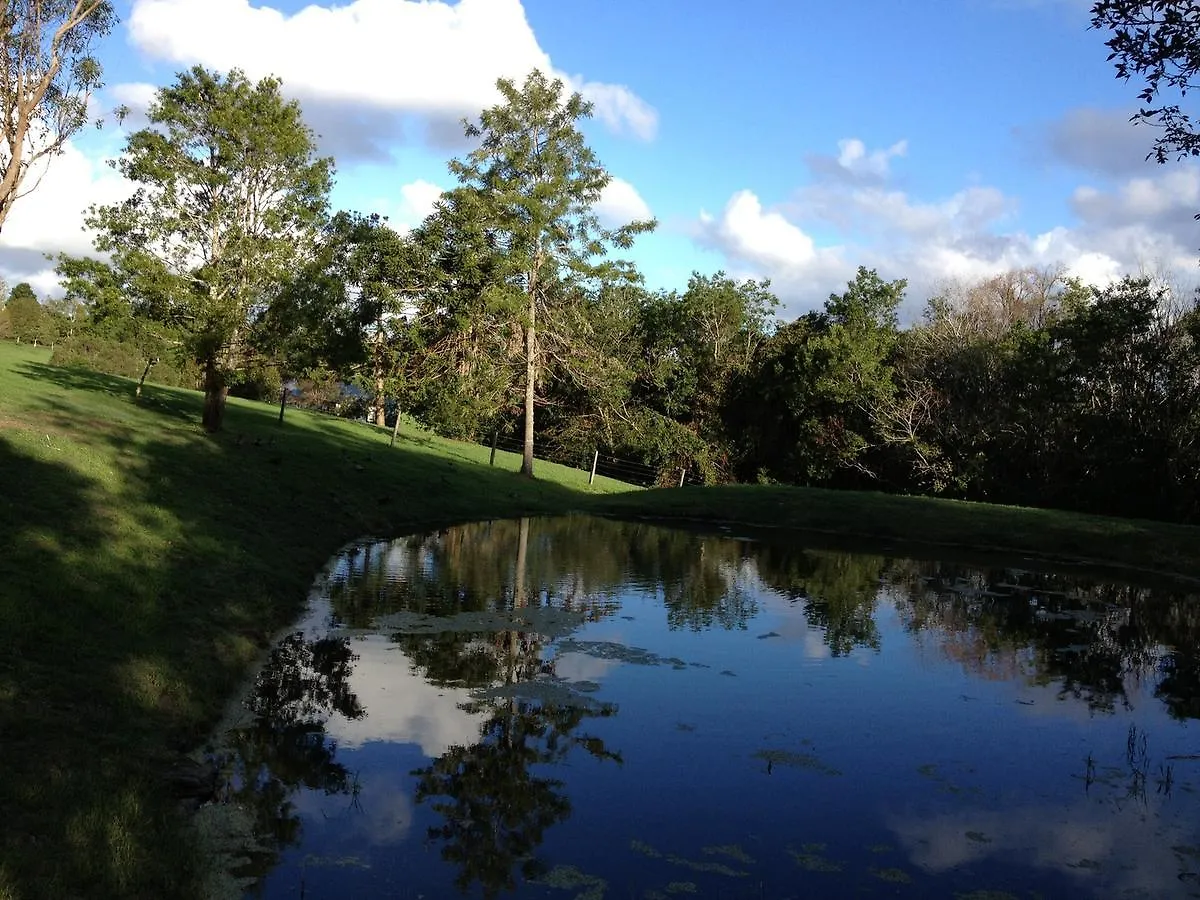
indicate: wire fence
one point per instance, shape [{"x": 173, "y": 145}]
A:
[{"x": 607, "y": 465}]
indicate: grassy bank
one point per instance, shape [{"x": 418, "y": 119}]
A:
[{"x": 143, "y": 566}]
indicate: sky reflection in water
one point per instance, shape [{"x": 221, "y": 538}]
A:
[{"x": 581, "y": 708}]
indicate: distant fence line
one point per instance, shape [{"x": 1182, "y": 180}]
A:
[{"x": 606, "y": 465}]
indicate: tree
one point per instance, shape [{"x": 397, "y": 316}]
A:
[
  {"x": 807, "y": 408},
  {"x": 1158, "y": 41},
  {"x": 230, "y": 196},
  {"x": 48, "y": 77},
  {"x": 533, "y": 183},
  {"x": 27, "y": 318},
  {"x": 114, "y": 312},
  {"x": 345, "y": 310}
]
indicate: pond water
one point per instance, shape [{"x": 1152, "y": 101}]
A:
[{"x": 580, "y": 708}]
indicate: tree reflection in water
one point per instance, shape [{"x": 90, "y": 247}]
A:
[
  {"x": 495, "y": 810},
  {"x": 495, "y": 797},
  {"x": 285, "y": 748}
]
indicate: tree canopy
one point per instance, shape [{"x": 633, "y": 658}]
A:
[
  {"x": 230, "y": 196},
  {"x": 531, "y": 186}
]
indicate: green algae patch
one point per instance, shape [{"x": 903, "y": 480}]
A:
[
  {"x": 733, "y": 851},
  {"x": 681, "y": 887},
  {"x": 611, "y": 650},
  {"x": 714, "y": 868},
  {"x": 549, "y": 621},
  {"x": 892, "y": 875},
  {"x": 811, "y": 858},
  {"x": 644, "y": 849},
  {"x": 978, "y": 837},
  {"x": 795, "y": 760},
  {"x": 569, "y": 878}
]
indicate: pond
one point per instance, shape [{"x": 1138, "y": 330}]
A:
[{"x": 581, "y": 708}]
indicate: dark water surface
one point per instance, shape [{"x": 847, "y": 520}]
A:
[{"x": 578, "y": 708}]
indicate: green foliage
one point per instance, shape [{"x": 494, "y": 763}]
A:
[
  {"x": 806, "y": 411},
  {"x": 105, "y": 352},
  {"x": 526, "y": 196},
  {"x": 1159, "y": 42},
  {"x": 229, "y": 198},
  {"x": 22, "y": 291},
  {"x": 346, "y": 310},
  {"x": 28, "y": 320}
]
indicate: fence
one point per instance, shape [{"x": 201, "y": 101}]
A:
[{"x": 608, "y": 466}]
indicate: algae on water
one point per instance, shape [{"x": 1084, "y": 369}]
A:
[
  {"x": 733, "y": 851},
  {"x": 795, "y": 761}
]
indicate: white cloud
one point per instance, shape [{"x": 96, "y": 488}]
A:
[
  {"x": 620, "y": 204},
  {"x": 49, "y": 220},
  {"x": 745, "y": 231},
  {"x": 417, "y": 200},
  {"x": 401, "y": 705},
  {"x": 433, "y": 60},
  {"x": 854, "y": 157},
  {"x": 1143, "y": 223}
]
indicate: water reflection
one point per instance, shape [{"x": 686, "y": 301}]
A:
[
  {"x": 540, "y": 701},
  {"x": 494, "y": 808},
  {"x": 285, "y": 748}
]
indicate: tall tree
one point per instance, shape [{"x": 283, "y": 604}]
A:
[
  {"x": 534, "y": 183},
  {"x": 1159, "y": 42},
  {"x": 48, "y": 76},
  {"x": 230, "y": 196},
  {"x": 346, "y": 309}
]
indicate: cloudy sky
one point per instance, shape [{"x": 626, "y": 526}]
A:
[{"x": 789, "y": 140}]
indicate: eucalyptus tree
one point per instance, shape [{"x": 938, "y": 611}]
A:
[
  {"x": 230, "y": 196},
  {"x": 46, "y": 81},
  {"x": 533, "y": 182}
]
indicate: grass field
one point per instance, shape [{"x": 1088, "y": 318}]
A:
[{"x": 144, "y": 566}]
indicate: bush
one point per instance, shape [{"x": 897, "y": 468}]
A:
[{"x": 112, "y": 357}]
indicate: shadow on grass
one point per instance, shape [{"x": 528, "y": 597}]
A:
[
  {"x": 174, "y": 402},
  {"x": 145, "y": 567}
]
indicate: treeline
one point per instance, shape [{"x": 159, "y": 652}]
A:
[{"x": 509, "y": 312}]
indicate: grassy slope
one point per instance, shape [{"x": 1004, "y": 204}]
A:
[{"x": 143, "y": 566}]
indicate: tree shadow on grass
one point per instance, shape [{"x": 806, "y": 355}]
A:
[
  {"x": 175, "y": 402},
  {"x": 145, "y": 567}
]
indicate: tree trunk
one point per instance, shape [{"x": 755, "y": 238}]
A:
[
  {"x": 215, "y": 392},
  {"x": 530, "y": 392},
  {"x": 396, "y": 424},
  {"x": 380, "y": 411},
  {"x": 145, "y": 372}
]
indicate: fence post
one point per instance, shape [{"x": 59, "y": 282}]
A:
[
  {"x": 595, "y": 460},
  {"x": 495, "y": 438},
  {"x": 682, "y": 475}
]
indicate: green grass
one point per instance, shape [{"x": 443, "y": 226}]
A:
[{"x": 144, "y": 566}]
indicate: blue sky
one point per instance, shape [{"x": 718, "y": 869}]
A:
[{"x": 933, "y": 140}]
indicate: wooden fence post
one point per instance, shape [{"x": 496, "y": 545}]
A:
[{"x": 495, "y": 438}]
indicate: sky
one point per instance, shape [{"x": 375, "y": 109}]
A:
[{"x": 793, "y": 140}]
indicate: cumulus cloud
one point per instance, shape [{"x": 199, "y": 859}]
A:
[
  {"x": 373, "y": 71},
  {"x": 620, "y": 203},
  {"x": 49, "y": 220},
  {"x": 1139, "y": 224},
  {"x": 855, "y": 162}
]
